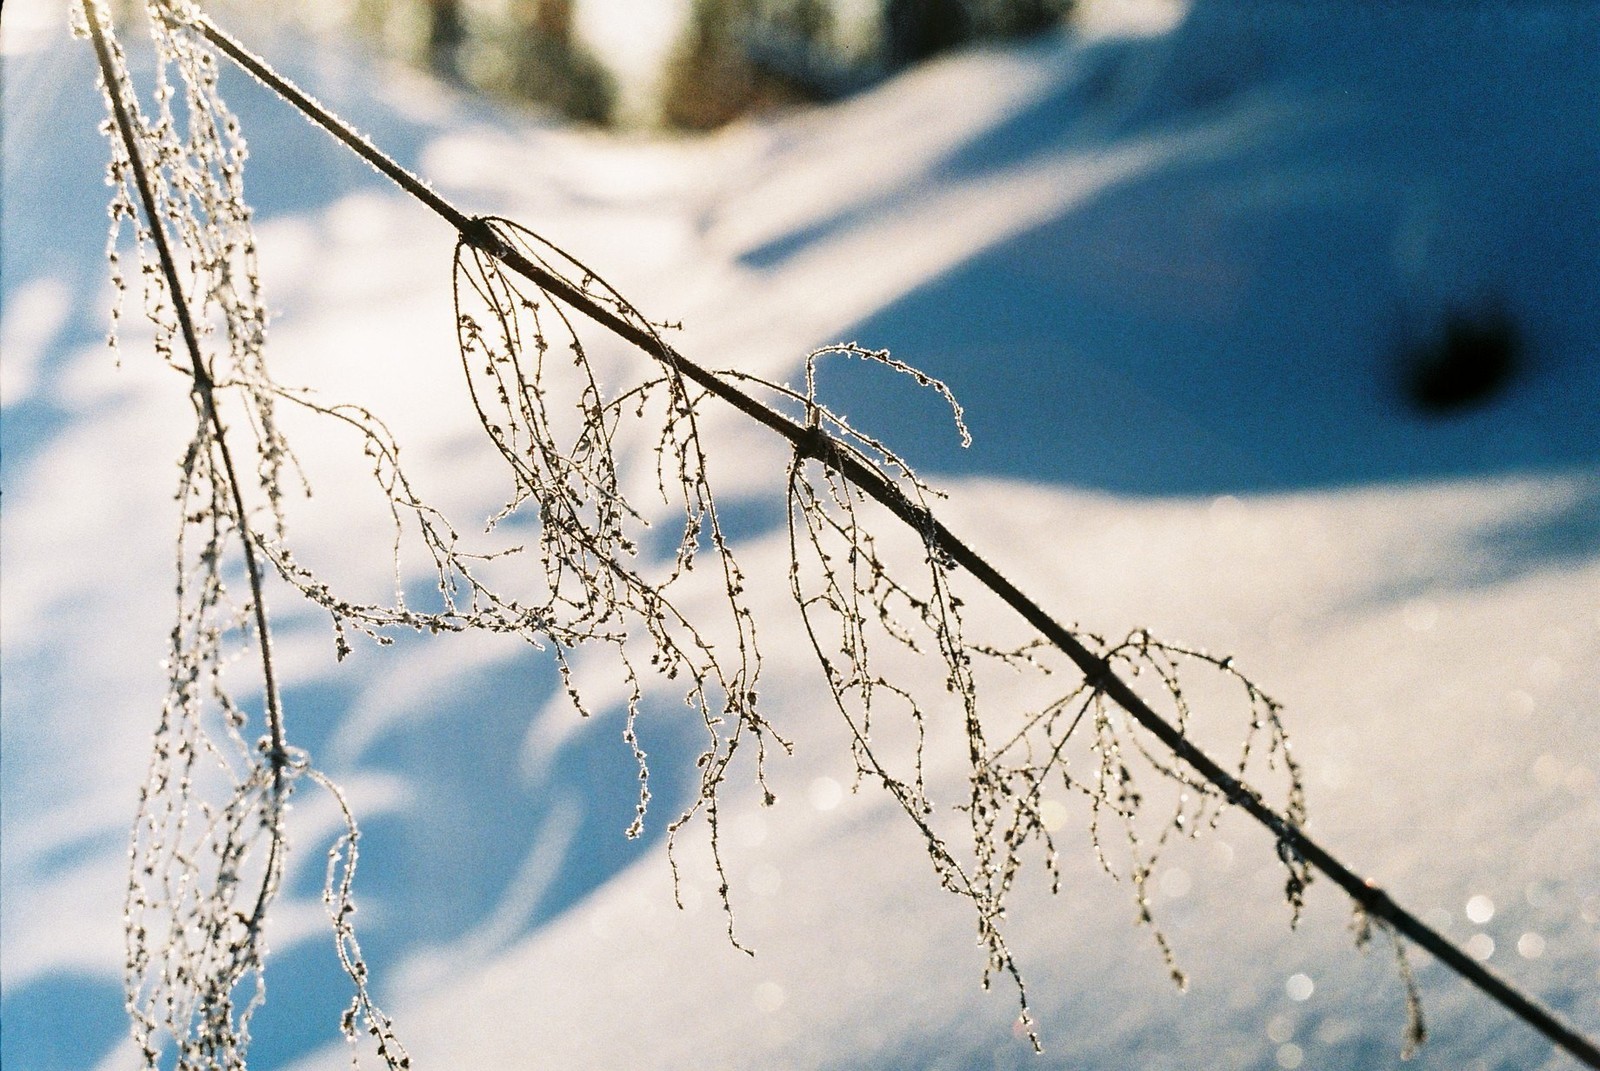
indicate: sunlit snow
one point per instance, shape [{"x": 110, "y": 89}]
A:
[{"x": 1172, "y": 269}]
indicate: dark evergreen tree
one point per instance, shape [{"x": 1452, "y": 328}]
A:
[{"x": 915, "y": 30}]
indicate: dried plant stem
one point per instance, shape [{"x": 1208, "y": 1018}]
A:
[
  {"x": 191, "y": 945},
  {"x": 204, "y": 395},
  {"x": 812, "y": 442}
]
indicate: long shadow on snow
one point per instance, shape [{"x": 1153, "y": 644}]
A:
[
  {"x": 1237, "y": 320},
  {"x": 1082, "y": 82},
  {"x": 55, "y": 196},
  {"x": 1063, "y": 382},
  {"x": 480, "y": 854},
  {"x": 1560, "y": 533},
  {"x": 463, "y": 765},
  {"x": 1237, "y": 316},
  {"x": 62, "y": 1022}
]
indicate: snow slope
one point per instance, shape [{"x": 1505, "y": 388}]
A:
[{"x": 1169, "y": 275}]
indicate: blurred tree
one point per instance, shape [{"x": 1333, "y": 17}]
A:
[
  {"x": 732, "y": 57},
  {"x": 549, "y": 65},
  {"x": 445, "y": 33},
  {"x": 709, "y": 79},
  {"x": 738, "y": 55},
  {"x": 915, "y": 30},
  {"x": 1016, "y": 18},
  {"x": 811, "y": 20},
  {"x": 527, "y": 49}
]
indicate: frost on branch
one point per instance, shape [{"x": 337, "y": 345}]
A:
[
  {"x": 207, "y": 853},
  {"x": 866, "y": 604},
  {"x": 209, "y": 849}
]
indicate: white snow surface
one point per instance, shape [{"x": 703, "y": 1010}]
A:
[{"x": 1173, "y": 275}]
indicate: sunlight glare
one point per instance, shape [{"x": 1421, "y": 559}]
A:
[
  {"x": 1300, "y": 987},
  {"x": 1054, "y": 815},
  {"x": 825, "y": 793},
  {"x": 1175, "y": 883},
  {"x": 770, "y": 997}
]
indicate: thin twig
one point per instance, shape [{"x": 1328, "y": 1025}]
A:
[
  {"x": 126, "y": 114},
  {"x": 816, "y": 444}
]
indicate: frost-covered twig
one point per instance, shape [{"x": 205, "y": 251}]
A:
[
  {"x": 182, "y": 977},
  {"x": 199, "y": 893},
  {"x": 586, "y": 539}
]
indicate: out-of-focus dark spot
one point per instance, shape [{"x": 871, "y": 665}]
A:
[{"x": 1468, "y": 362}]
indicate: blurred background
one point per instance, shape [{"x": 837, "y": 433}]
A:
[{"x": 679, "y": 64}]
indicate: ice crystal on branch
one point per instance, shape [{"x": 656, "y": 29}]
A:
[
  {"x": 861, "y": 602},
  {"x": 208, "y": 852},
  {"x": 879, "y": 602}
]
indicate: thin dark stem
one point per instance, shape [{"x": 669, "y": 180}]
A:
[
  {"x": 812, "y": 442},
  {"x": 125, "y": 114},
  {"x": 319, "y": 115},
  {"x": 818, "y": 445}
]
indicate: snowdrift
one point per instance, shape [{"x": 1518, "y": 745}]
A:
[{"x": 1176, "y": 279}]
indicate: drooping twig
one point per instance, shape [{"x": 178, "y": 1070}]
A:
[
  {"x": 193, "y": 943},
  {"x": 204, "y": 394},
  {"x": 125, "y": 117}
]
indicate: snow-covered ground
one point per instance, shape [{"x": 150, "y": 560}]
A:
[{"x": 1171, "y": 274}]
